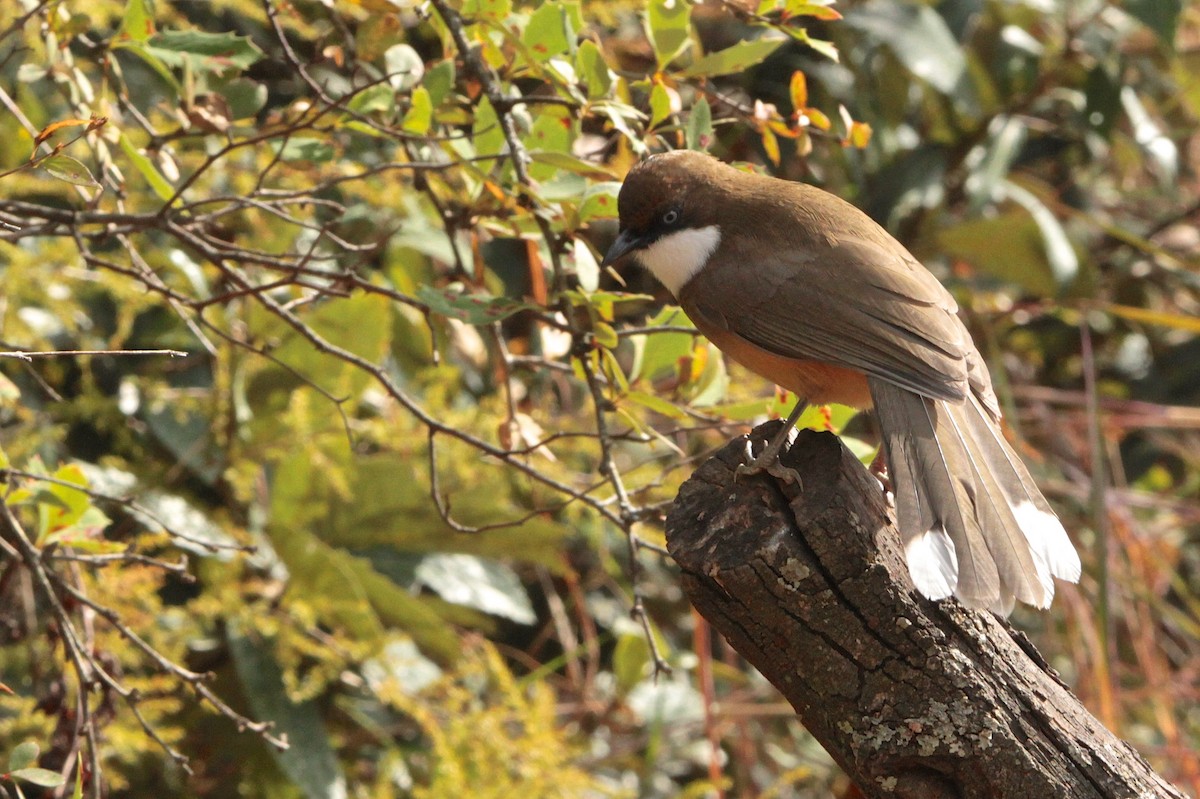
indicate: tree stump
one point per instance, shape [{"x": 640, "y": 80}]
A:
[{"x": 912, "y": 698}]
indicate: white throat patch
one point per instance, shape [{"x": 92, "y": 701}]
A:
[{"x": 676, "y": 257}]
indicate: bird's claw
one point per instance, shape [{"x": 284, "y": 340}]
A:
[{"x": 767, "y": 462}]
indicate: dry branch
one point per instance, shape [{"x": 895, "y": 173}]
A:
[{"x": 912, "y": 698}]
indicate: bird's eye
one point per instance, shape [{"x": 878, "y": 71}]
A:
[{"x": 670, "y": 217}]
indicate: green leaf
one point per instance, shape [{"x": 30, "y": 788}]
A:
[
  {"x": 477, "y": 583},
  {"x": 917, "y": 35},
  {"x": 309, "y": 761},
  {"x": 420, "y": 114},
  {"x": 827, "y": 49},
  {"x": 439, "y": 81},
  {"x": 380, "y": 97},
  {"x": 737, "y": 58},
  {"x": 1160, "y": 16},
  {"x": 660, "y": 104},
  {"x": 1008, "y": 246},
  {"x": 599, "y": 201},
  {"x": 9, "y": 392},
  {"x": 245, "y": 97},
  {"x": 142, "y": 51},
  {"x": 549, "y": 32},
  {"x": 304, "y": 149},
  {"x": 204, "y": 51},
  {"x": 474, "y": 309},
  {"x": 670, "y": 28},
  {"x": 38, "y": 776},
  {"x": 161, "y": 186},
  {"x": 659, "y": 353},
  {"x": 570, "y": 163},
  {"x": 593, "y": 70},
  {"x": 713, "y": 383},
  {"x": 23, "y": 755},
  {"x": 631, "y": 656},
  {"x": 405, "y": 68},
  {"x": 138, "y": 23},
  {"x": 699, "y": 127},
  {"x": 1060, "y": 254},
  {"x": 496, "y": 10},
  {"x": 660, "y": 405},
  {"x": 551, "y": 137},
  {"x": 587, "y": 269},
  {"x": 68, "y": 169},
  {"x": 1191, "y": 324},
  {"x": 486, "y": 133}
]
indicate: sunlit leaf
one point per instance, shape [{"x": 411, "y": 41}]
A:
[
  {"x": 570, "y": 163},
  {"x": 736, "y": 58},
  {"x": 918, "y": 37},
  {"x": 42, "y": 777},
  {"x": 658, "y": 404},
  {"x": 138, "y": 22},
  {"x": 439, "y": 81},
  {"x": 1060, "y": 253},
  {"x": 52, "y": 128},
  {"x": 593, "y": 70},
  {"x": 309, "y": 761},
  {"x": 474, "y": 309},
  {"x": 159, "y": 184},
  {"x": 631, "y": 661},
  {"x": 599, "y": 201},
  {"x": 301, "y": 148},
  {"x": 1149, "y": 316},
  {"x": 670, "y": 28},
  {"x": 549, "y": 32},
  {"x": 798, "y": 91},
  {"x": 660, "y": 104},
  {"x": 1008, "y": 246},
  {"x": 486, "y": 9},
  {"x": 477, "y": 583},
  {"x": 420, "y": 114},
  {"x": 23, "y": 755},
  {"x": 244, "y": 97},
  {"x": 699, "y": 126},
  {"x": 405, "y": 69},
  {"x": 68, "y": 169},
  {"x": 380, "y": 97},
  {"x": 204, "y": 51}
]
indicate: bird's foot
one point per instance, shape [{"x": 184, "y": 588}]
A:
[
  {"x": 879, "y": 470},
  {"x": 767, "y": 462}
]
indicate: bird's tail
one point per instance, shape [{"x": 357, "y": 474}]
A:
[{"x": 974, "y": 524}]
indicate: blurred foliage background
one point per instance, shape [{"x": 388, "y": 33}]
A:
[{"x": 399, "y": 492}]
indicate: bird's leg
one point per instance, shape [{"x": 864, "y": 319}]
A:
[
  {"x": 768, "y": 459},
  {"x": 879, "y": 470}
]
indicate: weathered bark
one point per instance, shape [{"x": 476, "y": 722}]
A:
[{"x": 912, "y": 698}]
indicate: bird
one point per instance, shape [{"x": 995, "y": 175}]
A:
[{"x": 803, "y": 288}]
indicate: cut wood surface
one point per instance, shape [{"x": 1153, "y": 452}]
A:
[{"x": 912, "y": 698}]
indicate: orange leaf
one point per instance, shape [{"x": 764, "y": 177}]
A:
[
  {"x": 799, "y": 91},
  {"x": 537, "y": 272},
  {"x": 859, "y": 136},
  {"x": 817, "y": 118},
  {"x": 53, "y": 127},
  {"x": 770, "y": 146}
]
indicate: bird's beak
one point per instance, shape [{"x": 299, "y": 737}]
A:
[{"x": 626, "y": 243}]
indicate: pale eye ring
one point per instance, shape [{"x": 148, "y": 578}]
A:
[{"x": 670, "y": 217}]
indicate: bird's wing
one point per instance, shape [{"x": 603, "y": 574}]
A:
[{"x": 863, "y": 303}]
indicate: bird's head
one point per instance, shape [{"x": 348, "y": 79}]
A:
[{"x": 670, "y": 210}]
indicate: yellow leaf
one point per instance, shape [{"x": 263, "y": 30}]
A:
[
  {"x": 799, "y": 91},
  {"x": 1162, "y": 318}
]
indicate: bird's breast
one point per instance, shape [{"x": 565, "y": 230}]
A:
[{"x": 818, "y": 382}]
